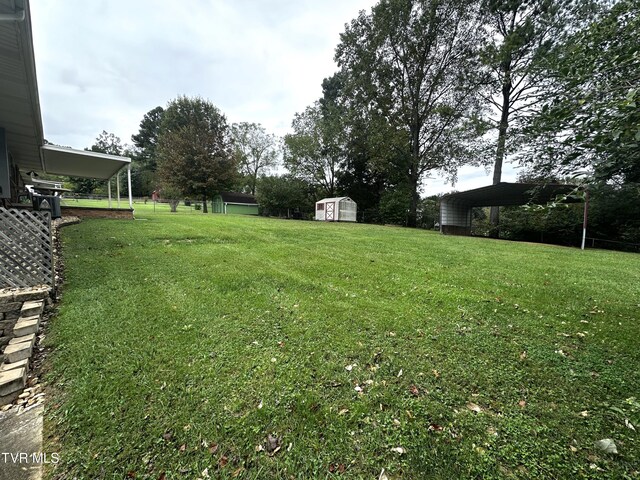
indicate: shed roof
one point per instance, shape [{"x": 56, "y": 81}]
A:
[
  {"x": 333, "y": 199},
  {"x": 504, "y": 194},
  {"x": 237, "y": 197}
]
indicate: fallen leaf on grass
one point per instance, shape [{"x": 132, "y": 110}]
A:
[
  {"x": 223, "y": 461},
  {"x": 434, "y": 427},
  {"x": 162, "y": 476},
  {"x": 213, "y": 448},
  {"x": 523, "y": 355},
  {"x": 205, "y": 473},
  {"x": 584, "y": 413},
  {"x": 183, "y": 447},
  {"x": 399, "y": 373},
  {"x": 414, "y": 390},
  {"x": 436, "y": 373},
  {"x": 628, "y": 424},
  {"x": 383, "y": 476},
  {"x": 167, "y": 436},
  {"x": 343, "y": 411},
  {"x": 398, "y": 450},
  {"x": 131, "y": 474},
  {"x": 607, "y": 445},
  {"x": 237, "y": 472},
  {"x": 474, "y": 407},
  {"x": 522, "y": 403}
]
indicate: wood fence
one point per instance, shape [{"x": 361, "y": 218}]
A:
[{"x": 26, "y": 249}]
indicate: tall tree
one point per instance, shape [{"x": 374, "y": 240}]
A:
[
  {"x": 194, "y": 148},
  {"x": 591, "y": 122},
  {"x": 414, "y": 63},
  {"x": 146, "y": 140},
  {"x": 313, "y": 151},
  {"x": 520, "y": 34},
  {"x": 256, "y": 151},
  {"x": 107, "y": 143}
]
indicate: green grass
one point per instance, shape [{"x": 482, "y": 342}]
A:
[
  {"x": 172, "y": 332},
  {"x": 139, "y": 206}
]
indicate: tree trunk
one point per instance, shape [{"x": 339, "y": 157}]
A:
[
  {"x": 204, "y": 203},
  {"x": 494, "y": 215},
  {"x": 414, "y": 177}
]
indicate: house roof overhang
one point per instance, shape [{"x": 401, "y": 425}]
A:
[
  {"x": 20, "y": 114},
  {"x": 506, "y": 194},
  {"x": 19, "y": 102},
  {"x": 81, "y": 163}
]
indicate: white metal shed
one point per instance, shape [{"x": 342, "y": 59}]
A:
[{"x": 338, "y": 209}]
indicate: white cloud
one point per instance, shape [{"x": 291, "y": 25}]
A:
[{"x": 103, "y": 64}]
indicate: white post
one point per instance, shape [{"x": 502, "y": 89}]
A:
[
  {"x": 118, "y": 188},
  {"x": 109, "y": 191},
  {"x": 129, "y": 186}
]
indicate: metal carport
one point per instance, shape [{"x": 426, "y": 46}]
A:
[{"x": 455, "y": 208}]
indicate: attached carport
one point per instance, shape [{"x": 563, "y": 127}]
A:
[{"x": 455, "y": 208}]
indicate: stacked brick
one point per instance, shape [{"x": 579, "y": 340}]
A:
[{"x": 20, "y": 315}]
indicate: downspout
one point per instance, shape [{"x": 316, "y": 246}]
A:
[{"x": 17, "y": 16}]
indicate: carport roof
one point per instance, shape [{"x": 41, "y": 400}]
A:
[
  {"x": 81, "y": 163},
  {"x": 504, "y": 194}
]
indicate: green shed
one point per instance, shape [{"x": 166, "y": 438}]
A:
[{"x": 235, "y": 203}]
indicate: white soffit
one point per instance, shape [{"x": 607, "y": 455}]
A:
[
  {"x": 81, "y": 163},
  {"x": 19, "y": 103}
]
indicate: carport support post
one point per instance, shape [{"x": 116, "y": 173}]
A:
[
  {"x": 118, "y": 189},
  {"x": 129, "y": 187},
  {"x": 585, "y": 217},
  {"x": 109, "y": 191}
]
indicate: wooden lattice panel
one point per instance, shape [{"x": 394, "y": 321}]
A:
[{"x": 26, "y": 252}]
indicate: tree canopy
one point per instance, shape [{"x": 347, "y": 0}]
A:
[
  {"x": 194, "y": 148},
  {"x": 415, "y": 65},
  {"x": 592, "y": 121},
  {"x": 256, "y": 151}
]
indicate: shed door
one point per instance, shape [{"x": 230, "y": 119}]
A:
[{"x": 329, "y": 209}]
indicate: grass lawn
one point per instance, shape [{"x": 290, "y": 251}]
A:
[{"x": 184, "y": 341}]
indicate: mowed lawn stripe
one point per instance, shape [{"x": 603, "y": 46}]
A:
[{"x": 183, "y": 341}]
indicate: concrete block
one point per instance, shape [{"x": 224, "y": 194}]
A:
[
  {"x": 36, "y": 293},
  {"x": 30, "y": 339},
  {"x": 17, "y": 351},
  {"x": 6, "y": 297},
  {"x": 13, "y": 315},
  {"x": 8, "y": 307},
  {"x": 26, "y": 326},
  {"x": 32, "y": 307},
  {"x": 5, "y": 367},
  {"x": 12, "y": 381}
]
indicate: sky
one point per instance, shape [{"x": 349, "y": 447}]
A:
[{"x": 102, "y": 64}]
